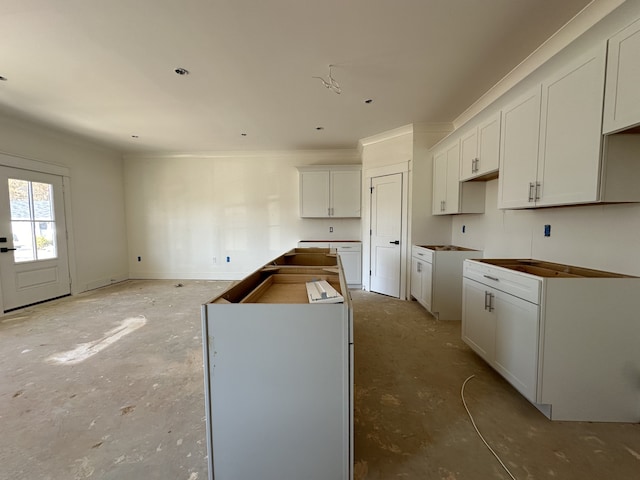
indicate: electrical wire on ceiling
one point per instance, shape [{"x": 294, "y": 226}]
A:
[{"x": 330, "y": 83}]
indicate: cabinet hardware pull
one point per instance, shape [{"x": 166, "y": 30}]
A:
[
  {"x": 487, "y": 300},
  {"x": 419, "y": 267},
  {"x": 421, "y": 254},
  {"x": 538, "y": 185},
  {"x": 531, "y": 187},
  {"x": 491, "y": 307},
  {"x": 495, "y": 279}
]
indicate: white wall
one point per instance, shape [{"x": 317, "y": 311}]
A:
[
  {"x": 604, "y": 237},
  {"x": 97, "y": 198},
  {"x": 184, "y": 211}
]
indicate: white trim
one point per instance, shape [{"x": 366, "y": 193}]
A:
[
  {"x": 324, "y": 155},
  {"x": 387, "y": 169},
  {"x": 404, "y": 169},
  {"x": 570, "y": 31},
  {"x": 388, "y": 135},
  {"x": 23, "y": 163}
]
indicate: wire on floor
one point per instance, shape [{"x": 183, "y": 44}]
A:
[{"x": 478, "y": 431}]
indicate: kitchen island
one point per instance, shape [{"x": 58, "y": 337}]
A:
[{"x": 279, "y": 373}]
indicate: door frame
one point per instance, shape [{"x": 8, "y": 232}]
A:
[
  {"x": 23, "y": 163},
  {"x": 403, "y": 168}
]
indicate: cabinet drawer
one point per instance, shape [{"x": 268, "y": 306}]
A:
[
  {"x": 422, "y": 253},
  {"x": 518, "y": 284},
  {"x": 347, "y": 246}
]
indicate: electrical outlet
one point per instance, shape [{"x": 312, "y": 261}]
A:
[
  {"x": 139, "y": 259},
  {"x": 330, "y": 229},
  {"x": 228, "y": 259},
  {"x": 464, "y": 228},
  {"x": 547, "y": 230}
]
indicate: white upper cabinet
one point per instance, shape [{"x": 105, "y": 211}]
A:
[
  {"x": 446, "y": 164},
  {"x": 479, "y": 149},
  {"x": 622, "y": 97},
  {"x": 330, "y": 191},
  {"x": 550, "y": 152},
  {"x": 449, "y": 195},
  {"x": 570, "y": 132},
  {"x": 519, "y": 151}
]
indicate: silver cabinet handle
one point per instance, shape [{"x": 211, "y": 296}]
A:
[
  {"x": 487, "y": 300},
  {"x": 531, "y": 187},
  {"x": 491, "y": 307},
  {"x": 419, "y": 267},
  {"x": 538, "y": 185},
  {"x": 495, "y": 279},
  {"x": 420, "y": 254}
]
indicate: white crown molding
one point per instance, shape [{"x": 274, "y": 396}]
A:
[
  {"x": 570, "y": 31},
  {"x": 388, "y": 135},
  {"x": 335, "y": 154}
]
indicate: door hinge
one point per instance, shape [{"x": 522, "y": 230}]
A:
[
  {"x": 369, "y": 272},
  {"x": 370, "y": 232},
  {"x": 371, "y": 190}
]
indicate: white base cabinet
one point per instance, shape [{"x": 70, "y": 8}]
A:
[
  {"x": 279, "y": 375},
  {"x": 350, "y": 254},
  {"x": 567, "y": 339},
  {"x": 436, "y": 278}
]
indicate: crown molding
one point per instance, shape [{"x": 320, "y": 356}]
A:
[{"x": 570, "y": 31}]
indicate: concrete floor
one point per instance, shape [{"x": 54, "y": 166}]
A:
[{"x": 109, "y": 385}]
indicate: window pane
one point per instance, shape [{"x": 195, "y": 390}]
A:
[
  {"x": 19, "y": 199},
  {"x": 23, "y": 241},
  {"x": 42, "y": 201},
  {"x": 46, "y": 240}
]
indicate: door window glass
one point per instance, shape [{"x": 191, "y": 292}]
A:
[{"x": 32, "y": 220}]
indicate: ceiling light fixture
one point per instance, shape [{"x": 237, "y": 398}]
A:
[
  {"x": 181, "y": 71},
  {"x": 330, "y": 83}
]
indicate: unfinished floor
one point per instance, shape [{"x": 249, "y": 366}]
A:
[{"x": 109, "y": 385}]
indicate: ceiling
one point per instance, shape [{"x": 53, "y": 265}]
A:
[{"x": 106, "y": 69}]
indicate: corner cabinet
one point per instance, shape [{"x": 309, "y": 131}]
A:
[
  {"x": 330, "y": 191},
  {"x": 622, "y": 95},
  {"x": 449, "y": 195}
]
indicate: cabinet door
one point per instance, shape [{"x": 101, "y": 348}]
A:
[
  {"x": 345, "y": 193},
  {"x": 439, "y": 182},
  {"x": 416, "y": 278},
  {"x": 488, "y": 146},
  {"x": 622, "y": 99},
  {"x": 519, "y": 151},
  {"x": 427, "y": 283},
  {"x": 478, "y": 322},
  {"x": 452, "y": 197},
  {"x": 314, "y": 194},
  {"x": 468, "y": 154},
  {"x": 352, "y": 265},
  {"x": 516, "y": 342},
  {"x": 570, "y": 126}
]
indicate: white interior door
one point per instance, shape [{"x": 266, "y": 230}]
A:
[
  {"x": 386, "y": 231},
  {"x": 33, "y": 250}
]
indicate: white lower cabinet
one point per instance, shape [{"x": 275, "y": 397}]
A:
[
  {"x": 565, "y": 337},
  {"x": 436, "y": 276},
  {"x": 503, "y": 329},
  {"x": 350, "y": 255}
]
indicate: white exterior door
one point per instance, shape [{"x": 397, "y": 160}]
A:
[
  {"x": 33, "y": 249},
  {"x": 386, "y": 231}
]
